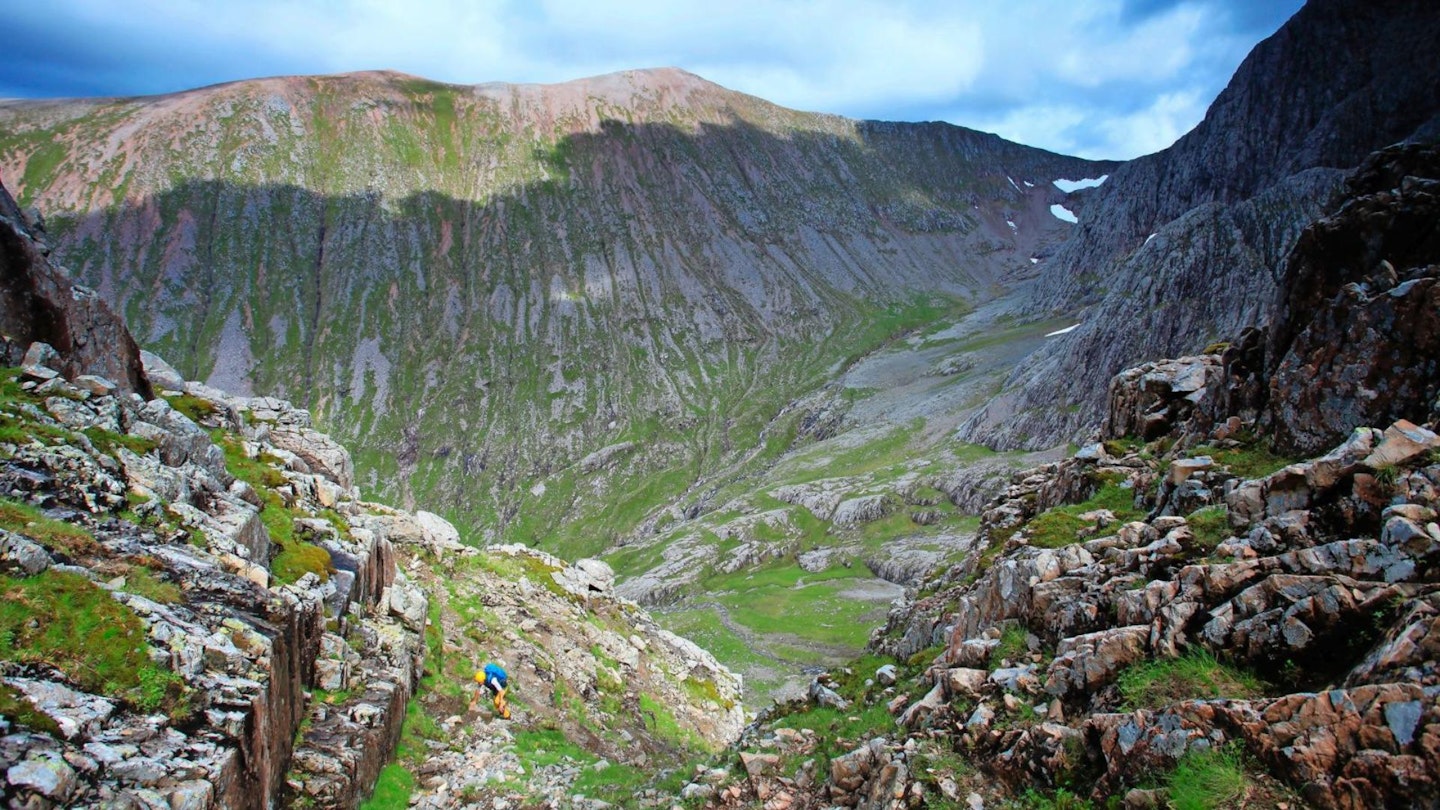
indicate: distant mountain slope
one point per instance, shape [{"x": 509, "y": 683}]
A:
[
  {"x": 480, "y": 287},
  {"x": 1183, "y": 247}
]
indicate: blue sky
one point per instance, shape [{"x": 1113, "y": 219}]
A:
[{"x": 1097, "y": 78}]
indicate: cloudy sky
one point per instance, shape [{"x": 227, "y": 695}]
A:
[{"x": 1097, "y": 78}]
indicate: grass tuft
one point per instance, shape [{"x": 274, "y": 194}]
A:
[
  {"x": 194, "y": 408},
  {"x": 1195, "y": 675},
  {"x": 1062, "y": 525},
  {"x": 1208, "y": 780},
  {"x": 1211, "y": 525},
  {"x": 392, "y": 789}
]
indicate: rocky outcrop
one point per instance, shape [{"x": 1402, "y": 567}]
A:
[
  {"x": 40, "y": 304},
  {"x": 1185, "y": 247},
  {"x": 1355, "y": 280},
  {"x": 250, "y": 580}
]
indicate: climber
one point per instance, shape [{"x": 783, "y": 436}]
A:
[{"x": 494, "y": 679}]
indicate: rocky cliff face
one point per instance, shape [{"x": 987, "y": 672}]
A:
[
  {"x": 480, "y": 287},
  {"x": 1184, "y": 247}
]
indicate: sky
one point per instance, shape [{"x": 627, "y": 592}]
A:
[{"x": 1094, "y": 78}]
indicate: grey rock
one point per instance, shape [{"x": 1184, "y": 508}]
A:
[
  {"x": 48, "y": 776},
  {"x": 21, "y": 554}
]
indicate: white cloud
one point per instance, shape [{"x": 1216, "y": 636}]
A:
[{"x": 1155, "y": 127}]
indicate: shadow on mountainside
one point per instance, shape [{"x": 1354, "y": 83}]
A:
[{"x": 644, "y": 283}]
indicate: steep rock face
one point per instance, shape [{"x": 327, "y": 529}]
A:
[
  {"x": 478, "y": 287},
  {"x": 1356, "y": 279},
  {"x": 39, "y": 303},
  {"x": 1185, "y": 246}
]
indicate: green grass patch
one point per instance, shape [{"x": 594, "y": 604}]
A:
[
  {"x": 1211, "y": 525},
  {"x": 1014, "y": 646},
  {"x": 392, "y": 789},
  {"x": 833, "y": 459},
  {"x": 703, "y": 626},
  {"x": 1197, "y": 674},
  {"x": 195, "y": 408},
  {"x": 107, "y": 442},
  {"x": 295, "y": 557},
  {"x": 66, "y": 621},
  {"x": 1061, "y": 799},
  {"x": 1249, "y": 462},
  {"x": 662, "y": 723},
  {"x": 784, "y": 598},
  {"x": 839, "y": 732},
  {"x": 543, "y": 747},
  {"x": 142, "y": 581},
  {"x": 1061, "y": 525},
  {"x": 260, "y": 473},
  {"x": 1208, "y": 780},
  {"x": 57, "y": 535},
  {"x": 417, "y": 728}
]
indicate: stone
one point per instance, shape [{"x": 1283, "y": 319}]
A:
[
  {"x": 95, "y": 385},
  {"x": 161, "y": 374},
  {"x": 77, "y": 714},
  {"x": 758, "y": 765},
  {"x": 42, "y": 355},
  {"x": 886, "y": 675},
  {"x": 921, "y": 710},
  {"x": 865, "y": 509},
  {"x": 586, "y": 578},
  {"x": 438, "y": 532},
  {"x": 822, "y": 695},
  {"x": 965, "y": 682},
  {"x": 48, "y": 776},
  {"x": 1402, "y": 443},
  {"x": 1183, "y": 468},
  {"x": 23, "y": 555}
]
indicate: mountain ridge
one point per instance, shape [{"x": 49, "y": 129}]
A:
[{"x": 733, "y": 245}]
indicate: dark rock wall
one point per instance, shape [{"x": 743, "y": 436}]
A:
[
  {"x": 1225, "y": 204},
  {"x": 38, "y": 303}
]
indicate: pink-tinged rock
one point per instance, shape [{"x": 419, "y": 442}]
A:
[
  {"x": 758, "y": 765},
  {"x": 1183, "y": 468},
  {"x": 1403, "y": 442},
  {"x": 965, "y": 682}
]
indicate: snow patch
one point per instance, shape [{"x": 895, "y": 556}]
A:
[
  {"x": 1063, "y": 213},
  {"x": 1011, "y": 223},
  {"x": 1148, "y": 238},
  {"x": 1012, "y": 182},
  {"x": 1034, "y": 260},
  {"x": 1068, "y": 186},
  {"x": 1028, "y": 184},
  {"x": 1064, "y": 331}
]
